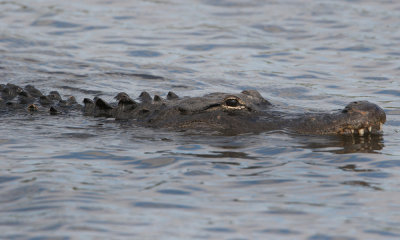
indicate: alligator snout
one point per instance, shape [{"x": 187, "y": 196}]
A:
[{"x": 364, "y": 117}]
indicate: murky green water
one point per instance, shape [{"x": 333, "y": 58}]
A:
[{"x": 79, "y": 177}]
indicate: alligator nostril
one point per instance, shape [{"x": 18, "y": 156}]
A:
[{"x": 345, "y": 111}]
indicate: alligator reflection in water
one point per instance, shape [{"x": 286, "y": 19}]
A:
[
  {"x": 344, "y": 144},
  {"x": 274, "y": 145}
]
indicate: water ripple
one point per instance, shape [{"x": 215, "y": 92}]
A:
[{"x": 74, "y": 176}]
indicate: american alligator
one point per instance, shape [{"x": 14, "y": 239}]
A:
[{"x": 245, "y": 112}]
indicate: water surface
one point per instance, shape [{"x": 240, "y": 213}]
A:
[{"x": 77, "y": 177}]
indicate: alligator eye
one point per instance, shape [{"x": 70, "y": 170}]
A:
[{"x": 232, "y": 102}]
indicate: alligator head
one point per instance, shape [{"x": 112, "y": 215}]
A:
[{"x": 245, "y": 112}]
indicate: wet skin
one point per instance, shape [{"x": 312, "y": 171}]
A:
[{"x": 245, "y": 112}]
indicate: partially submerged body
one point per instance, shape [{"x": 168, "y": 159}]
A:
[{"x": 246, "y": 112}]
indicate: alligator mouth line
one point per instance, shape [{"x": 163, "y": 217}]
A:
[{"x": 369, "y": 129}]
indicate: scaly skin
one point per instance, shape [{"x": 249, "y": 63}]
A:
[{"x": 246, "y": 112}]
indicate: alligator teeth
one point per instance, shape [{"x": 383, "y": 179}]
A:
[
  {"x": 370, "y": 129},
  {"x": 380, "y": 126},
  {"x": 352, "y": 130},
  {"x": 361, "y": 132}
]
